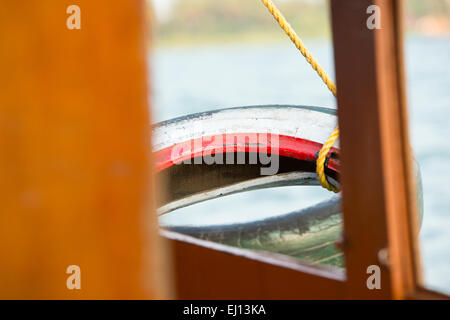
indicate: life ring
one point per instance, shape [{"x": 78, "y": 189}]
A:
[{"x": 184, "y": 147}]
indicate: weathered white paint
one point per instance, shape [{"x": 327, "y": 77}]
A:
[{"x": 294, "y": 121}]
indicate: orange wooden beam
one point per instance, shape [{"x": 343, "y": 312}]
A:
[{"x": 75, "y": 170}]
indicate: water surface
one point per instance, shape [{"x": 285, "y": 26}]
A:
[{"x": 194, "y": 79}]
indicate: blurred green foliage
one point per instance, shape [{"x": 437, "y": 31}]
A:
[
  {"x": 420, "y": 8},
  {"x": 197, "y": 21}
]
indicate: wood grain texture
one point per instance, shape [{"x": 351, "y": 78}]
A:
[
  {"x": 378, "y": 192},
  {"x": 75, "y": 178},
  {"x": 207, "y": 270}
]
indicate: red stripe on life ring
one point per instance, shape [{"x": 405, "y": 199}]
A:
[{"x": 287, "y": 146}]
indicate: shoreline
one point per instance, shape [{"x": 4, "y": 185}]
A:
[{"x": 248, "y": 39}]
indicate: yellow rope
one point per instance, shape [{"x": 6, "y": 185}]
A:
[{"x": 320, "y": 163}]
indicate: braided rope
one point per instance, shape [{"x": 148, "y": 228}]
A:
[{"x": 320, "y": 163}]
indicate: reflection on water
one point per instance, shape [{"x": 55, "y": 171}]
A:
[{"x": 193, "y": 79}]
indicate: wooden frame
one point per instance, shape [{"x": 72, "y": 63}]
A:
[
  {"x": 379, "y": 195},
  {"x": 76, "y": 180},
  {"x": 378, "y": 188}
]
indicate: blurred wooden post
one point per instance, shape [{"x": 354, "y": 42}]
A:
[
  {"x": 378, "y": 188},
  {"x": 75, "y": 170}
]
